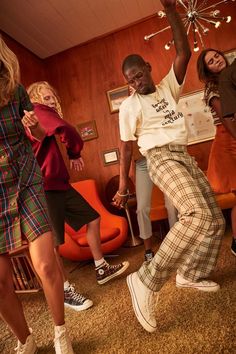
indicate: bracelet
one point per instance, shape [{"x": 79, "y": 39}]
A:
[{"x": 122, "y": 195}]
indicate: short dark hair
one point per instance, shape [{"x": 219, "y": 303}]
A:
[{"x": 132, "y": 60}]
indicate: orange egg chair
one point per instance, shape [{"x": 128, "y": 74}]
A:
[{"x": 113, "y": 229}]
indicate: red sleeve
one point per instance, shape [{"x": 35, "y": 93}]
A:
[{"x": 54, "y": 125}]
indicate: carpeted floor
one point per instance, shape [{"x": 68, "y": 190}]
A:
[{"x": 189, "y": 321}]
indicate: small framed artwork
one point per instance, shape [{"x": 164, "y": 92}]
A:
[
  {"x": 230, "y": 55},
  {"x": 116, "y": 97},
  {"x": 198, "y": 117},
  {"x": 110, "y": 157},
  {"x": 87, "y": 130}
]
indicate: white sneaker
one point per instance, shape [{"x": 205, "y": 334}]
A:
[
  {"x": 28, "y": 348},
  {"x": 203, "y": 285},
  {"x": 143, "y": 301},
  {"x": 62, "y": 342}
]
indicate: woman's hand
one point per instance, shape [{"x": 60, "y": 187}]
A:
[
  {"x": 31, "y": 122},
  {"x": 77, "y": 164}
]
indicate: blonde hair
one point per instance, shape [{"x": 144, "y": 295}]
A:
[
  {"x": 34, "y": 92},
  {"x": 9, "y": 73}
]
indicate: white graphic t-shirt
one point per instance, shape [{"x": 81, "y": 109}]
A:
[{"x": 153, "y": 119}]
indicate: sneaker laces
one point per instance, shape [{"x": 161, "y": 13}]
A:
[
  {"x": 74, "y": 295},
  {"x": 21, "y": 347},
  {"x": 112, "y": 266}
]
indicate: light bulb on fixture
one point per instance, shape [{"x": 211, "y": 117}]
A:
[
  {"x": 195, "y": 47},
  {"x": 196, "y": 12},
  {"x": 168, "y": 45},
  {"x": 161, "y": 14},
  {"x": 215, "y": 13}
]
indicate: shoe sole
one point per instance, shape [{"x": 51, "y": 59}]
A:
[
  {"x": 208, "y": 289},
  {"x": 114, "y": 275},
  {"x": 137, "y": 311},
  {"x": 234, "y": 253},
  {"x": 79, "y": 308}
]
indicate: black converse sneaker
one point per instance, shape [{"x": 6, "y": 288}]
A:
[
  {"x": 233, "y": 247},
  {"x": 106, "y": 272},
  {"x": 76, "y": 301}
]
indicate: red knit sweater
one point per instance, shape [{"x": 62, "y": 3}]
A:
[{"x": 47, "y": 152}]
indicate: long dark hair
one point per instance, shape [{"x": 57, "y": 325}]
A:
[{"x": 204, "y": 74}]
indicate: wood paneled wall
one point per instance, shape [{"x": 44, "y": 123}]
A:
[{"x": 82, "y": 76}]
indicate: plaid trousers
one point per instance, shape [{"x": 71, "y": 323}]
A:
[{"x": 192, "y": 244}]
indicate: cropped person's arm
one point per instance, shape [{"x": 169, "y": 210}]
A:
[{"x": 229, "y": 122}]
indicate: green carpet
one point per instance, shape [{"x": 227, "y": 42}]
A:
[{"x": 189, "y": 321}]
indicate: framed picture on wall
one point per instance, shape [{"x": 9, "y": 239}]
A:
[
  {"x": 110, "y": 157},
  {"x": 198, "y": 117},
  {"x": 230, "y": 55},
  {"x": 116, "y": 97},
  {"x": 87, "y": 130}
]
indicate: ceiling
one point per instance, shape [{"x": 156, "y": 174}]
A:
[{"x": 47, "y": 27}]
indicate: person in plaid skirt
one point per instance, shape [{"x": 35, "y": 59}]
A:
[
  {"x": 24, "y": 213},
  {"x": 151, "y": 116}
]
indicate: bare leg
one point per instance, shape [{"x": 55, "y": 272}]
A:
[
  {"x": 93, "y": 237},
  {"x": 46, "y": 265},
  {"x": 10, "y": 306},
  {"x": 148, "y": 243},
  {"x": 60, "y": 265}
]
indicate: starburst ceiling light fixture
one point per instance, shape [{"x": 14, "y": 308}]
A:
[{"x": 197, "y": 15}]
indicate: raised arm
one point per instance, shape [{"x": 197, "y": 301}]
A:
[{"x": 183, "y": 52}]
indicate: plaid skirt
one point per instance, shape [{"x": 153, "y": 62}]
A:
[{"x": 23, "y": 208}]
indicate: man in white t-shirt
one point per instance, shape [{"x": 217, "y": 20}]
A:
[{"x": 150, "y": 116}]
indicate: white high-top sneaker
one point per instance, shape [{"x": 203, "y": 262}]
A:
[
  {"x": 62, "y": 342},
  {"x": 28, "y": 348}
]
